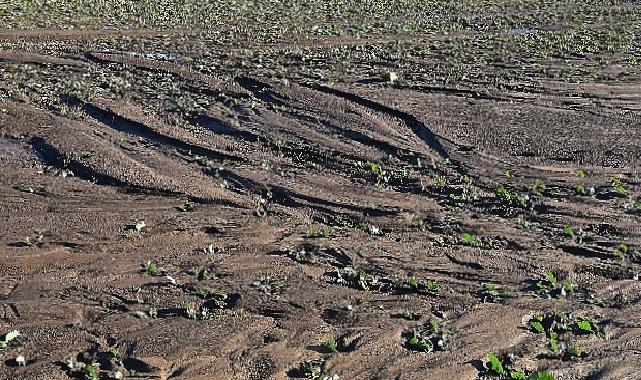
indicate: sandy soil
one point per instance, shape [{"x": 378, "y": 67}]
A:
[{"x": 319, "y": 202}]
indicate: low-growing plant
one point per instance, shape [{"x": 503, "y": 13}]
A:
[
  {"x": 429, "y": 286},
  {"x": 619, "y": 187},
  {"x": 538, "y": 188},
  {"x": 574, "y": 353},
  {"x": 313, "y": 369},
  {"x": 468, "y": 239},
  {"x": 512, "y": 199},
  {"x": 370, "y": 228},
  {"x": 503, "y": 368},
  {"x": 491, "y": 293},
  {"x": 386, "y": 284},
  {"x": 625, "y": 253},
  {"x": 185, "y": 207},
  {"x": 312, "y": 232},
  {"x": 428, "y": 338},
  {"x": 523, "y": 223},
  {"x": 494, "y": 365},
  {"x": 550, "y": 287},
  {"x": 417, "y": 343},
  {"x": 150, "y": 268},
  {"x": 555, "y": 325},
  {"x": 269, "y": 284},
  {"x": 86, "y": 371},
  {"x": 36, "y": 240},
  {"x": 331, "y": 345}
]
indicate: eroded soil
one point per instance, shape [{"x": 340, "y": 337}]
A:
[{"x": 291, "y": 195}]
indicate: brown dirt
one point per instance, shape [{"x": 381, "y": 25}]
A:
[{"x": 85, "y": 167}]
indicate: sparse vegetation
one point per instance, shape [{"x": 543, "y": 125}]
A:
[
  {"x": 468, "y": 239},
  {"x": 491, "y": 293},
  {"x": 36, "y": 240},
  {"x": 185, "y": 207},
  {"x": 329, "y": 126}
]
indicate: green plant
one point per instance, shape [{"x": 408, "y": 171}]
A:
[
  {"x": 331, "y": 345},
  {"x": 87, "y": 371},
  {"x": 574, "y": 352},
  {"x": 185, "y": 207},
  {"x": 541, "y": 375},
  {"x": 429, "y": 286},
  {"x": 36, "y": 240},
  {"x": 313, "y": 369},
  {"x": 523, "y": 224},
  {"x": 568, "y": 231},
  {"x": 494, "y": 365},
  {"x": 618, "y": 186},
  {"x": 150, "y": 268},
  {"x": 554, "y": 325},
  {"x": 428, "y": 337},
  {"x": 370, "y": 228},
  {"x": 90, "y": 372},
  {"x": 506, "y": 174},
  {"x": 587, "y": 326},
  {"x": 312, "y": 232},
  {"x": 432, "y": 286},
  {"x": 622, "y": 252},
  {"x": 580, "y": 173},
  {"x": 468, "y": 238},
  {"x": 491, "y": 293},
  {"x": 512, "y": 199},
  {"x": 417, "y": 343},
  {"x": 538, "y": 188},
  {"x": 550, "y": 287}
]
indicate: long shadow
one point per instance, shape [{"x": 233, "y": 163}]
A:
[{"x": 134, "y": 128}]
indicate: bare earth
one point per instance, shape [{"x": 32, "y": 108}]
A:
[{"x": 319, "y": 201}]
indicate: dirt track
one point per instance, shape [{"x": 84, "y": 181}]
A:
[{"x": 276, "y": 145}]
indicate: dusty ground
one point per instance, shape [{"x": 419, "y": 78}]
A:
[{"x": 290, "y": 195}]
